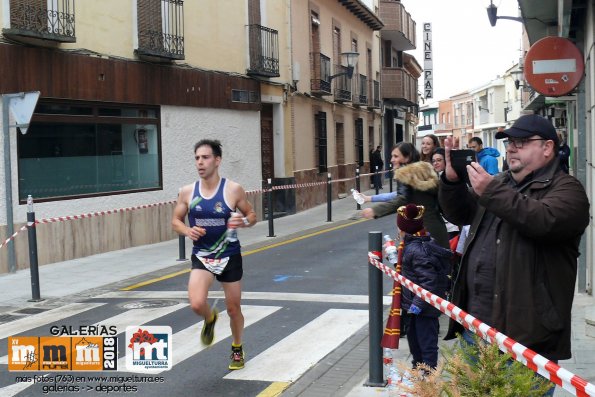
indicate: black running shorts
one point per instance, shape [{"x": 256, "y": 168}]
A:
[{"x": 233, "y": 271}]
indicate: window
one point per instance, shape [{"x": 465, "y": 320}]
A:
[
  {"x": 359, "y": 141},
  {"x": 74, "y": 150},
  {"x": 320, "y": 141}
]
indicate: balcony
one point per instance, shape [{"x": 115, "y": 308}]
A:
[
  {"x": 342, "y": 91},
  {"x": 360, "y": 94},
  {"x": 160, "y": 29},
  {"x": 264, "y": 51},
  {"x": 320, "y": 69},
  {"x": 399, "y": 27},
  {"x": 398, "y": 86},
  {"x": 51, "y": 20},
  {"x": 374, "y": 101}
]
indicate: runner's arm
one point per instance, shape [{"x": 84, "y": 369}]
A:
[
  {"x": 244, "y": 206},
  {"x": 178, "y": 223}
]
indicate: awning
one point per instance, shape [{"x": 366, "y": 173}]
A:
[{"x": 537, "y": 103}]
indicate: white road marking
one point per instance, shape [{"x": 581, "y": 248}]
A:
[
  {"x": 267, "y": 296},
  {"x": 37, "y": 320},
  {"x": 186, "y": 342},
  {"x": 290, "y": 358}
]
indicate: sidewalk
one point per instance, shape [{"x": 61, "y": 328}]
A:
[
  {"x": 342, "y": 373},
  {"x": 86, "y": 275}
]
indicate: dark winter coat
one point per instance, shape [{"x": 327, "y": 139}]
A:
[
  {"x": 376, "y": 161},
  {"x": 418, "y": 183},
  {"x": 536, "y": 248},
  {"x": 428, "y": 265}
]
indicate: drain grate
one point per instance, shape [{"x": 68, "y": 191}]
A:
[
  {"x": 149, "y": 303},
  {"x": 4, "y": 318},
  {"x": 30, "y": 310}
]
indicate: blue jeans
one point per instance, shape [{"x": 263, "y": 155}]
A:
[{"x": 469, "y": 339}]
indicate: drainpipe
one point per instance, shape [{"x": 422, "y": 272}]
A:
[{"x": 8, "y": 181}]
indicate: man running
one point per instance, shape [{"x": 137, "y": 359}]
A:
[{"x": 211, "y": 204}]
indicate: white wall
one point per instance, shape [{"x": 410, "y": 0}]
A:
[{"x": 181, "y": 128}]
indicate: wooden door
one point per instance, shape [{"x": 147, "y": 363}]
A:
[{"x": 266, "y": 141}]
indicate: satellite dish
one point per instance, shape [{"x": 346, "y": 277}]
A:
[{"x": 22, "y": 108}]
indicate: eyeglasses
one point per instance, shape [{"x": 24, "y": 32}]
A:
[
  {"x": 519, "y": 142},
  {"x": 437, "y": 160}
]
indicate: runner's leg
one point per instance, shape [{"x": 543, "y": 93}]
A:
[
  {"x": 198, "y": 288},
  {"x": 233, "y": 296}
]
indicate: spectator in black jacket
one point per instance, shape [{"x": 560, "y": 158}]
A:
[{"x": 377, "y": 164}]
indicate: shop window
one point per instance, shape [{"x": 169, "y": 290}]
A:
[{"x": 74, "y": 150}]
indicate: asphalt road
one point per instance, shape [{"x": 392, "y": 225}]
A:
[{"x": 301, "y": 298}]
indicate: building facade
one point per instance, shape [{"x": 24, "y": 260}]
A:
[
  {"x": 462, "y": 126},
  {"x": 127, "y": 88}
]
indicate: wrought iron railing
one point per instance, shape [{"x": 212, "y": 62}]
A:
[
  {"x": 342, "y": 84},
  {"x": 321, "y": 71},
  {"x": 376, "y": 100},
  {"x": 360, "y": 96},
  {"x": 161, "y": 28},
  {"x": 51, "y": 19},
  {"x": 264, "y": 51}
]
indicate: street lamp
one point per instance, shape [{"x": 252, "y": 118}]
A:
[
  {"x": 493, "y": 15},
  {"x": 517, "y": 75},
  {"x": 507, "y": 109},
  {"x": 350, "y": 58}
]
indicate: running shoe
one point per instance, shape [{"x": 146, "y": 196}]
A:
[
  {"x": 237, "y": 358},
  {"x": 208, "y": 329}
]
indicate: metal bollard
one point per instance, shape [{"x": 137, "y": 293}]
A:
[
  {"x": 33, "y": 262},
  {"x": 390, "y": 177},
  {"x": 376, "y": 377},
  {"x": 357, "y": 187},
  {"x": 181, "y": 248},
  {"x": 270, "y": 207},
  {"x": 376, "y": 184},
  {"x": 329, "y": 196}
]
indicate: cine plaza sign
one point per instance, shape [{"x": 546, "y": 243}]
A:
[{"x": 554, "y": 66}]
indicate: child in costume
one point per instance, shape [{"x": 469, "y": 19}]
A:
[{"x": 427, "y": 264}]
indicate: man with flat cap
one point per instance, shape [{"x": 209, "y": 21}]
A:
[{"x": 519, "y": 266}]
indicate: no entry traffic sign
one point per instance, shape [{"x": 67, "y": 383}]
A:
[{"x": 554, "y": 66}]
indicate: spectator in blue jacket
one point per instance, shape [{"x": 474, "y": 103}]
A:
[
  {"x": 486, "y": 157},
  {"x": 427, "y": 264}
]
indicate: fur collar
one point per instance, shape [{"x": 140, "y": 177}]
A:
[{"x": 419, "y": 175}]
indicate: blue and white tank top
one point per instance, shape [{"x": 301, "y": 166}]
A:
[{"x": 212, "y": 214}]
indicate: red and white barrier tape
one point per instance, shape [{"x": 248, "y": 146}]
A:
[
  {"x": 546, "y": 368},
  {"x": 8, "y": 240},
  {"x": 99, "y": 213}
]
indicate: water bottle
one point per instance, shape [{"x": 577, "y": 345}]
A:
[
  {"x": 357, "y": 196},
  {"x": 407, "y": 384},
  {"x": 390, "y": 250},
  {"x": 232, "y": 233},
  {"x": 393, "y": 379},
  {"x": 387, "y": 361}
]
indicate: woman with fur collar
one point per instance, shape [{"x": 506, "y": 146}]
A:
[{"x": 417, "y": 182}]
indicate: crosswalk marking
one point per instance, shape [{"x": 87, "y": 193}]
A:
[
  {"x": 285, "y": 361},
  {"x": 37, "y": 320},
  {"x": 186, "y": 342},
  {"x": 129, "y": 317},
  {"x": 288, "y": 359},
  {"x": 268, "y": 296}
]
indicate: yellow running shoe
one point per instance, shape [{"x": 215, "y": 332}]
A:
[
  {"x": 237, "y": 358},
  {"x": 208, "y": 329}
]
